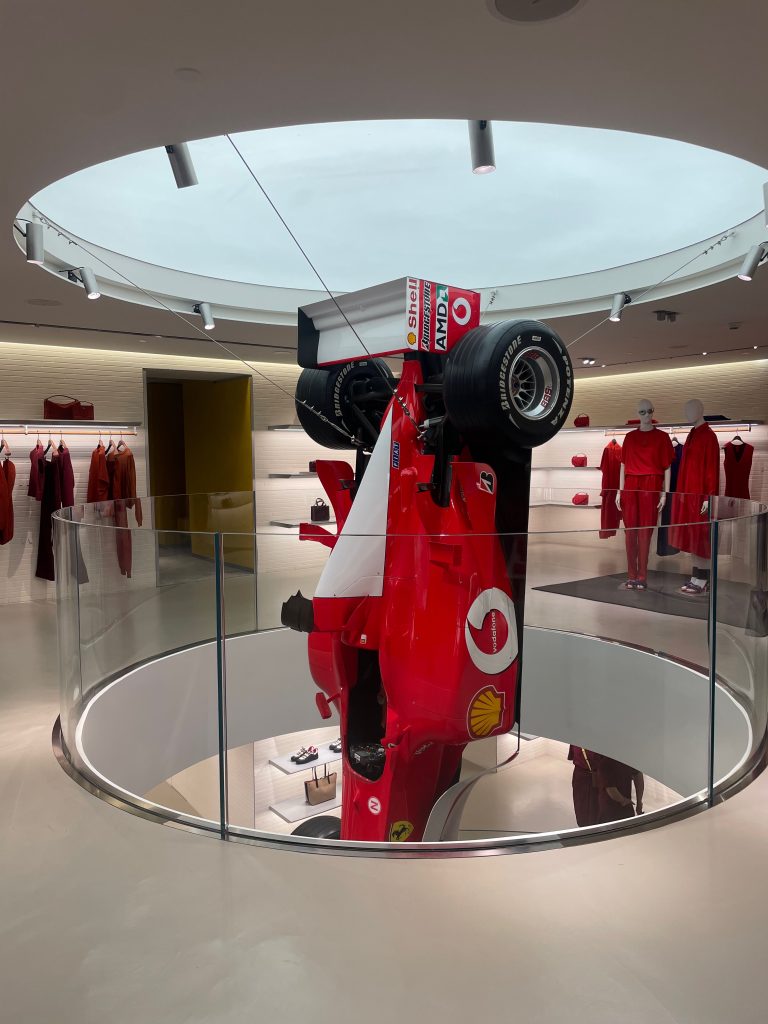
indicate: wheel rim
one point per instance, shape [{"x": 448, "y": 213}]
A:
[{"x": 533, "y": 382}]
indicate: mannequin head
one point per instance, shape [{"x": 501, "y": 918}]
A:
[
  {"x": 694, "y": 411},
  {"x": 645, "y": 413}
]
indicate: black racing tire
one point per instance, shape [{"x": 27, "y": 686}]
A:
[
  {"x": 324, "y": 826},
  {"x": 514, "y": 377},
  {"x": 329, "y": 391}
]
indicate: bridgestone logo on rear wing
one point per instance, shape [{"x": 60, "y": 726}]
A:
[{"x": 407, "y": 315}]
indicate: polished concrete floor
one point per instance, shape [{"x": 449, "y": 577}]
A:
[{"x": 106, "y": 917}]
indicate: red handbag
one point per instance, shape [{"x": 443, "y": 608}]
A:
[
  {"x": 579, "y": 460},
  {"x": 580, "y": 499},
  {"x": 582, "y": 420},
  {"x": 72, "y": 409}
]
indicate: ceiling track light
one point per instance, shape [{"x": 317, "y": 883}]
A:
[
  {"x": 181, "y": 164},
  {"x": 588, "y": 361},
  {"x": 34, "y": 243},
  {"x": 620, "y": 300},
  {"x": 752, "y": 260},
  {"x": 203, "y": 310},
  {"x": 481, "y": 147},
  {"x": 86, "y": 277}
]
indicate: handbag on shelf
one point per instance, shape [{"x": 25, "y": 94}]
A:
[
  {"x": 312, "y": 465},
  {"x": 320, "y": 512},
  {"x": 320, "y": 788},
  {"x": 579, "y": 460},
  {"x": 71, "y": 409},
  {"x": 580, "y": 499},
  {"x": 582, "y": 420}
]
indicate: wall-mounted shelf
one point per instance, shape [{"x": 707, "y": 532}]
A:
[
  {"x": 578, "y": 469},
  {"x": 297, "y": 808},
  {"x": 305, "y": 475},
  {"x": 289, "y": 767},
  {"x": 289, "y": 525},
  {"x": 624, "y": 428},
  {"x": 295, "y": 427}
]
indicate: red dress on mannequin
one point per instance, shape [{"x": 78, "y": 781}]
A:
[
  {"x": 646, "y": 455},
  {"x": 698, "y": 479}
]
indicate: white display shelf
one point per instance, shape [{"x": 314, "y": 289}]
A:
[
  {"x": 285, "y": 764},
  {"x": 293, "y": 427},
  {"x": 557, "y": 469},
  {"x": 287, "y": 524},
  {"x": 302, "y": 475},
  {"x": 562, "y": 504},
  {"x": 297, "y": 808}
]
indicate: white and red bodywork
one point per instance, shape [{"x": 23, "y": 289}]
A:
[{"x": 424, "y": 592}]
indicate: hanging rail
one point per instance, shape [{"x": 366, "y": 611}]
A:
[{"x": 718, "y": 426}]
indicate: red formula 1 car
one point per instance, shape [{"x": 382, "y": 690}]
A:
[{"x": 415, "y": 628}]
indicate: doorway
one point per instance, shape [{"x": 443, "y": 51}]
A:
[{"x": 200, "y": 468}]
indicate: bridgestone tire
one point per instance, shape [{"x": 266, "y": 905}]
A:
[
  {"x": 329, "y": 392},
  {"x": 512, "y": 378},
  {"x": 325, "y": 826}
]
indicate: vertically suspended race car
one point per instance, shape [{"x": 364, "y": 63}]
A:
[{"x": 415, "y": 628}]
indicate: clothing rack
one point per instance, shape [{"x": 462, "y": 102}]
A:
[
  {"x": 32, "y": 428},
  {"x": 718, "y": 426}
]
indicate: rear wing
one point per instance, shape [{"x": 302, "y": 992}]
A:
[{"x": 407, "y": 315}]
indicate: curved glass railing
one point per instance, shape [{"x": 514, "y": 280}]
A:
[{"x": 183, "y": 697}]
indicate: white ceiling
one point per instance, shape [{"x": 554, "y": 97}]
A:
[{"x": 88, "y": 85}]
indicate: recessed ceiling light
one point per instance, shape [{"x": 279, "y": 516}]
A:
[
  {"x": 532, "y": 10},
  {"x": 754, "y": 348},
  {"x": 703, "y": 353},
  {"x": 188, "y": 74}
]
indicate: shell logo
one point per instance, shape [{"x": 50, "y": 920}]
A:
[
  {"x": 485, "y": 712},
  {"x": 411, "y": 339}
]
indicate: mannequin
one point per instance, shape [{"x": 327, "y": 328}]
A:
[
  {"x": 698, "y": 479},
  {"x": 646, "y": 457}
]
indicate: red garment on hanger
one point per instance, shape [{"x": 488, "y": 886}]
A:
[
  {"x": 8, "y": 473},
  {"x": 36, "y": 477},
  {"x": 646, "y": 455},
  {"x": 123, "y": 483},
  {"x": 98, "y": 476},
  {"x": 697, "y": 481},
  {"x": 610, "y": 464},
  {"x": 66, "y": 477},
  {"x": 738, "y": 466}
]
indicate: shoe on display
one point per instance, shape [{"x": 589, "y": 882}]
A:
[
  {"x": 298, "y": 754},
  {"x": 310, "y": 754},
  {"x": 335, "y": 747}
]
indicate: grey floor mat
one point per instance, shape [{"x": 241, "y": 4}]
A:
[{"x": 663, "y": 595}]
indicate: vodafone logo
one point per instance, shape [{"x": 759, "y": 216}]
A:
[
  {"x": 461, "y": 311},
  {"x": 374, "y": 805},
  {"x": 490, "y": 631}
]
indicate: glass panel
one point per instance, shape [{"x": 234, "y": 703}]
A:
[
  {"x": 740, "y": 645},
  {"x": 66, "y": 543},
  {"x": 144, "y": 633},
  {"x": 617, "y": 671},
  {"x": 271, "y": 710}
]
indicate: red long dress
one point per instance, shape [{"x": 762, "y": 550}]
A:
[
  {"x": 697, "y": 481},
  {"x": 123, "y": 484},
  {"x": 8, "y": 472},
  {"x": 610, "y": 464},
  {"x": 738, "y": 466},
  {"x": 646, "y": 455}
]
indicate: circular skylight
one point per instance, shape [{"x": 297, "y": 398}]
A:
[{"x": 371, "y": 201}]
